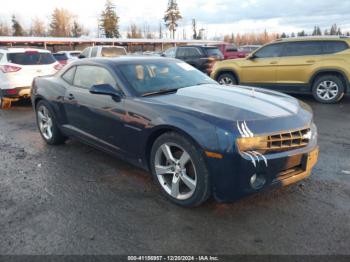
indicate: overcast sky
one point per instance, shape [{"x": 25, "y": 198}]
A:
[{"x": 218, "y": 17}]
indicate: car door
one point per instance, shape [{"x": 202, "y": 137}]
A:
[
  {"x": 96, "y": 118},
  {"x": 260, "y": 67},
  {"x": 297, "y": 62},
  {"x": 192, "y": 56}
]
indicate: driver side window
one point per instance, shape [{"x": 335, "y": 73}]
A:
[
  {"x": 88, "y": 76},
  {"x": 273, "y": 50}
]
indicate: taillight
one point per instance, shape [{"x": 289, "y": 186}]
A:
[
  {"x": 9, "y": 68},
  {"x": 11, "y": 91},
  {"x": 58, "y": 66}
]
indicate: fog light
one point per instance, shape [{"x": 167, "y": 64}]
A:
[{"x": 257, "y": 181}]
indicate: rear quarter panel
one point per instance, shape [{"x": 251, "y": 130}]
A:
[{"x": 50, "y": 90}]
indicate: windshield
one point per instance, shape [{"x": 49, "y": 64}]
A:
[
  {"x": 159, "y": 76},
  {"x": 75, "y": 54},
  {"x": 113, "y": 51},
  {"x": 31, "y": 58}
]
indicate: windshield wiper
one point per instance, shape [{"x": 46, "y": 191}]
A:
[{"x": 161, "y": 92}]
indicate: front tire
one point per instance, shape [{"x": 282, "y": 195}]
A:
[
  {"x": 227, "y": 79},
  {"x": 179, "y": 169},
  {"x": 47, "y": 125},
  {"x": 328, "y": 89}
]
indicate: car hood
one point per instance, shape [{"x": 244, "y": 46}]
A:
[{"x": 232, "y": 103}]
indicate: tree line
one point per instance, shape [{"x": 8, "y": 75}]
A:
[
  {"x": 266, "y": 37},
  {"x": 65, "y": 24}
]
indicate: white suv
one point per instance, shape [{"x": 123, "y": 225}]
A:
[
  {"x": 18, "y": 68},
  {"x": 103, "y": 51}
]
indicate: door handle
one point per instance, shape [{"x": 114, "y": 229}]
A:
[
  {"x": 274, "y": 63},
  {"x": 310, "y": 61},
  {"x": 71, "y": 97}
]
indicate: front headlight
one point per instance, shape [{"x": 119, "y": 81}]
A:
[{"x": 252, "y": 143}]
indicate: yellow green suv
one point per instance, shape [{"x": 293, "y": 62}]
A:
[{"x": 320, "y": 66}]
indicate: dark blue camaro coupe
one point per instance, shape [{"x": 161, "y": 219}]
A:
[{"x": 196, "y": 137}]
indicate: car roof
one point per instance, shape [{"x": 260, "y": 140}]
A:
[
  {"x": 121, "y": 60},
  {"x": 202, "y": 46},
  {"x": 22, "y": 50},
  {"x": 68, "y": 52},
  {"x": 314, "y": 38}
]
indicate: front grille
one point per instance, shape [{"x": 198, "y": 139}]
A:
[{"x": 288, "y": 140}]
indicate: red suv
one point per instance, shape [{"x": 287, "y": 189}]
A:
[{"x": 230, "y": 51}]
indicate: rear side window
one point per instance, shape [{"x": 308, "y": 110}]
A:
[
  {"x": 68, "y": 76},
  {"x": 314, "y": 48},
  {"x": 60, "y": 57},
  {"x": 94, "y": 52},
  {"x": 214, "y": 52},
  {"x": 269, "y": 51},
  {"x": 112, "y": 51},
  {"x": 303, "y": 48},
  {"x": 1, "y": 55},
  {"x": 331, "y": 47},
  {"x": 87, "y": 76},
  {"x": 231, "y": 48},
  {"x": 188, "y": 52},
  {"x": 31, "y": 58}
]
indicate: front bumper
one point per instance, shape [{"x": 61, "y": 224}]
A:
[{"x": 231, "y": 176}]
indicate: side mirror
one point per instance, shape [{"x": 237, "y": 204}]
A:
[
  {"x": 81, "y": 56},
  {"x": 106, "y": 89},
  {"x": 162, "y": 54}
]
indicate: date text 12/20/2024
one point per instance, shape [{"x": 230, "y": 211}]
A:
[{"x": 173, "y": 258}]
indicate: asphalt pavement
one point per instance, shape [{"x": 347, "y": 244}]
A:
[{"x": 73, "y": 199}]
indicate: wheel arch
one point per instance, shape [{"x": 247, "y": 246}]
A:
[
  {"x": 161, "y": 130},
  {"x": 227, "y": 71},
  {"x": 331, "y": 71}
]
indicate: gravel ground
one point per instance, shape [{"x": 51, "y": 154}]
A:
[{"x": 73, "y": 199}]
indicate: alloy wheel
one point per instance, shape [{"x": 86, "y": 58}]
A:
[
  {"x": 226, "y": 81},
  {"x": 45, "y": 122},
  {"x": 327, "y": 90},
  {"x": 175, "y": 171}
]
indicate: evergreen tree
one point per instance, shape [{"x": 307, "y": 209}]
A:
[
  {"x": 77, "y": 30},
  {"x": 16, "y": 27},
  {"x": 194, "y": 28},
  {"x": 339, "y": 31},
  {"x": 160, "y": 31},
  {"x": 292, "y": 35},
  {"x": 302, "y": 33},
  {"x": 317, "y": 31},
  {"x": 334, "y": 29},
  {"x": 283, "y": 35},
  {"x": 109, "y": 21},
  {"x": 172, "y": 15}
]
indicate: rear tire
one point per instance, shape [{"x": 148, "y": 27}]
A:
[
  {"x": 328, "y": 89},
  {"x": 179, "y": 169},
  {"x": 227, "y": 79},
  {"x": 47, "y": 125}
]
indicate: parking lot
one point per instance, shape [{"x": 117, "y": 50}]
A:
[{"x": 74, "y": 199}]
